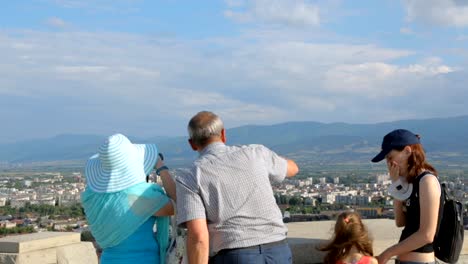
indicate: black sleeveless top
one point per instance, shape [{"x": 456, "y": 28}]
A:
[{"x": 413, "y": 213}]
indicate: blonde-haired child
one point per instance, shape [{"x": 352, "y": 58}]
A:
[{"x": 350, "y": 243}]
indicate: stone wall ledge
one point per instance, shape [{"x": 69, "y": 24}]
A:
[
  {"x": 303, "y": 237},
  {"x": 47, "y": 248}
]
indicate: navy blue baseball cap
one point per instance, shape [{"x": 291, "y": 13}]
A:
[{"x": 396, "y": 139}]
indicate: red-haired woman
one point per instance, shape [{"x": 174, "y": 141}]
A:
[
  {"x": 350, "y": 243},
  {"x": 417, "y": 193}
]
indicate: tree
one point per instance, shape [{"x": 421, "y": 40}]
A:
[
  {"x": 16, "y": 230},
  {"x": 294, "y": 201},
  {"x": 284, "y": 199},
  {"x": 87, "y": 236},
  {"x": 277, "y": 198}
]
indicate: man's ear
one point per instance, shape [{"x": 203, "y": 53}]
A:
[
  {"x": 223, "y": 135},
  {"x": 194, "y": 147}
]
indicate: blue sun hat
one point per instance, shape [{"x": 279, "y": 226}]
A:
[{"x": 119, "y": 164}]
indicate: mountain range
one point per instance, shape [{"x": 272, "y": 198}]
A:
[{"x": 444, "y": 139}]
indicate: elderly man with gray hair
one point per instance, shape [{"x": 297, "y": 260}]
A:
[{"x": 226, "y": 200}]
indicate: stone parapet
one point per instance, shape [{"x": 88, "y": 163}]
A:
[
  {"x": 47, "y": 248},
  {"x": 303, "y": 237}
]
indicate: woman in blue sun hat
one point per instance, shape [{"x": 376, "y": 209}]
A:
[{"x": 122, "y": 208}]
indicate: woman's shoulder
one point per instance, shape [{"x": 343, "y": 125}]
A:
[
  {"x": 430, "y": 182},
  {"x": 428, "y": 177}
]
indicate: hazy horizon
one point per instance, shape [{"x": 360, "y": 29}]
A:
[{"x": 183, "y": 134}]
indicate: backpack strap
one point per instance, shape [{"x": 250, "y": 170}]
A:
[{"x": 443, "y": 199}]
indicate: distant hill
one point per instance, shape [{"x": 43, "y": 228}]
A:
[
  {"x": 443, "y": 138},
  {"x": 62, "y": 147}
]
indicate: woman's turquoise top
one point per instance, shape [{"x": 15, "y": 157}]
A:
[
  {"x": 140, "y": 247},
  {"x": 117, "y": 220}
]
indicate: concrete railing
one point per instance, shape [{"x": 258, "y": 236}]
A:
[
  {"x": 304, "y": 237},
  {"x": 47, "y": 248}
]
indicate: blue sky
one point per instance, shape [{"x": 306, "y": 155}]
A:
[{"x": 143, "y": 68}]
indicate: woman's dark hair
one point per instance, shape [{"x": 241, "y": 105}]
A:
[
  {"x": 417, "y": 162},
  {"x": 349, "y": 232}
]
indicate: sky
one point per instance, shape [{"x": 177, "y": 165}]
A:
[{"x": 144, "y": 68}]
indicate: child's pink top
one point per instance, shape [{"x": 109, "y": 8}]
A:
[{"x": 363, "y": 260}]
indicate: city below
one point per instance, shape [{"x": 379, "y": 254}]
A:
[{"x": 50, "y": 201}]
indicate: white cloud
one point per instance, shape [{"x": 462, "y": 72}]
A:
[
  {"x": 436, "y": 12},
  {"x": 56, "y": 22},
  {"x": 70, "y": 3},
  {"x": 331, "y": 53},
  {"x": 132, "y": 79},
  {"x": 92, "y": 6},
  {"x": 80, "y": 69},
  {"x": 314, "y": 103},
  {"x": 104, "y": 73},
  {"x": 462, "y": 38},
  {"x": 235, "y": 3},
  {"x": 374, "y": 80},
  {"x": 234, "y": 111},
  {"x": 283, "y": 12},
  {"x": 238, "y": 16},
  {"x": 406, "y": 31}
]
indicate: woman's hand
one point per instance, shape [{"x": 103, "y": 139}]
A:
[
  {"x": 159, "y": 163},
  {"x": 393, "y": 170},
  {"x": 167, "y": 181}
]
